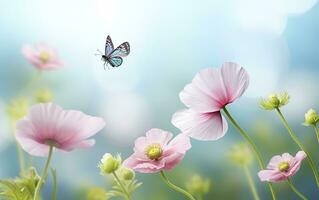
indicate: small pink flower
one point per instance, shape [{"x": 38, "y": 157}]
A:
[
  {"x": 154, "y": 152},
  {"x": 210, "y": 91},
  {"x": 282, "y": 167},
  {"x": 48, "y": 124},
  {"x": 42, "y": 56}
]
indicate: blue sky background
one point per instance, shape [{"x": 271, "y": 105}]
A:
[{"x": 277, "y": 41}]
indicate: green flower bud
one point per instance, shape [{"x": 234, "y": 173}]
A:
[
  {"x": 198, "y": 186},
  {"x": 126, "y": 174},
  {"x": 109, "y": 164},
  {"x": 241, "y": 154},
  {"x": 96, "y": 193},
  {"x": 311, "y": 118},
  {"x": 17, "y": 108},
  {"x": 43, "y": 96},
  {"x": 274, "y": 101}
]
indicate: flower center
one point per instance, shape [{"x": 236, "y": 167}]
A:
[
  {"x": 44, "y": 56},
  {"x": 283, "y": 167},
  {"x": 52, "y": 142},
  {"x": 153, "y": 151}
]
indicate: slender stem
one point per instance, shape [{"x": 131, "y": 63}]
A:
[
  {"x": 176, "y": 188},
  {"x": 295, "y": 190},
  {"x": 317, "y": 131},
  {"x": 43, "y": 175},
  {"x": 251, "y": 183},
  {"x": 127, "y": 195},
  {"x": 301, "y": 146},
  {"x": 53, "y": 172},
  {"x": 254, "y": 147}
]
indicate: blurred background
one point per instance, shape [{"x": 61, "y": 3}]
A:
[{"x": 277, "y": 41}]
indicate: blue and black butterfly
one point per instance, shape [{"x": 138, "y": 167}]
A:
[{"x": 113, "y": 56}]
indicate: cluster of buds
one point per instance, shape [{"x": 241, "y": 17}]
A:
[
  {"x": 198, "y": 186},
  {"x": 274, "y": 101},
  {"x": 109, "y": 164},
  {"x": 241, "y": 154}
]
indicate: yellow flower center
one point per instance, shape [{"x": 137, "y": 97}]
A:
[
  {"x": 283, "y": 167},
  {"x": 44, "y": 56},
  {"x": 273, "y": 99},
  {"x": 153, "y": 151}
]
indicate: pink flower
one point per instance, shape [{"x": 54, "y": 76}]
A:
[
  {"x": 282, "y": 167},
  {"x": 42, "y": 56},
  {"x": 48, "y": 124},
  {"x": 210, "y": 91},
  {"x": 154, "y": 152}
]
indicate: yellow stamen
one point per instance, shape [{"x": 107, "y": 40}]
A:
[
  {"x": 283, "y": 167},
  {"x": 44, "y": 56},
  {"x": 153, "y": 151}
]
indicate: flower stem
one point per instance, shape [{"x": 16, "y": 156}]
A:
[
  {"x": 43, "y": 175},
  {"x": 53, "y": 172},
  {"x": 127, "y": 195},
  {"x": 295, "y": 190},
  {"x": 176, "y": 188},
  {"x": 317, "y": 131},
  {"x": 251, "y": 183},
  {"x": 301, "y": 146},
  {"x": 252, "y": 144}
]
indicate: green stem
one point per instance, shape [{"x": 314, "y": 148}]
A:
[
  {"x": 317, "y": 131},
  {"x": 295, "y": 190},
  {"x": 54, "y": 192},
  {"x": 127, "y": 195},
  {"x": 43, "y": 175},
  {"x": 176, "y": 188},
  {"x": 251, "y": 183},
  {"x": 254, "y": 147},
  {"x": 295, "y": 138}
]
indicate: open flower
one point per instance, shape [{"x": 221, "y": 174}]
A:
[
  {"x": 49, "y": 125},
  {"x": 282, "y": 167},
  {"x": 43, "y": 57},
  {"x": 155, "y": 153},
  {"x": 210, "y": 91}
]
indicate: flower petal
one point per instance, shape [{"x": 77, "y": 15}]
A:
[
  {"x": 201, "y": 126},
  {"x": 181, "y": 143},
  {"x": 159, "y": 136}
]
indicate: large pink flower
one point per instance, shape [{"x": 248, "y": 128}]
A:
[
  {"x": 42, "y": 56},
  {"x": 282, "y": 167},
  {"x": 48, "y": 124},
  {"x": 154, "y": 152},
  {"x": 210, "y": 91}
]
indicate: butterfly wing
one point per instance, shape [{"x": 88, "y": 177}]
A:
[
  {"x": 115, "y": 61},
  {"x": 109, "y": 47},
  {"x": 121, "y": 51}
]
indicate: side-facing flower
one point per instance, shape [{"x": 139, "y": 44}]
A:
[
  {"x": 42, "y": 56},
  {"x": 155, "y": 153},
  {"x": 280, "y": 168},
  {"x": 49, "y": 125},
  {"x": 109, "y": 164},
  {"x": 210, "y": 91},
  {"x": 274, "y": 101},
  {"x": 311, "y": 118}
]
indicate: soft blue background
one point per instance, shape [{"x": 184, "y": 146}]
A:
[{"x": 277, "y": 41}]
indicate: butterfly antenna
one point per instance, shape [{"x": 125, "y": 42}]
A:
[{"x": 99, "y": 53}]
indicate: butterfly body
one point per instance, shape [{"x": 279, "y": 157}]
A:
[{"x": 113, "y": 56}]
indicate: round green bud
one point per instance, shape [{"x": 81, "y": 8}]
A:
[
  {"x": 109, "y": 164},
  {"x": 311, "y": 117},
  {"x": 127, "y": 174}
]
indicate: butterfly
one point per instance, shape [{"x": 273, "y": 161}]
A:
[{"x": 113, "y": 56}]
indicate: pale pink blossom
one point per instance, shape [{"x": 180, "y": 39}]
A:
[
  {"x": 155, "y": 153},
  {"x": 48, "y": 124},
  {"x": 209, "y": 92},
  {"x": 42, "y": 56},
  {"x": 280, "y": 168}
]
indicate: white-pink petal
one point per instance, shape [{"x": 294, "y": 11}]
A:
[{"x": 201, "y": 126}]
